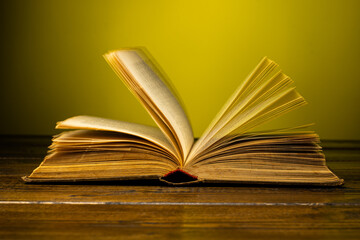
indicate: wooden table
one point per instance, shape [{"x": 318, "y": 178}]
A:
[{"x": 136, "y": 210}]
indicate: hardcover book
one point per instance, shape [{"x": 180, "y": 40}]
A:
[{"x": 98, "y": 149}]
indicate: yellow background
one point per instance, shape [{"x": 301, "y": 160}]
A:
[{"x": 52, "y": 66}]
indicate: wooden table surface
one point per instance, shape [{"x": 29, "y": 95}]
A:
[{"x": 138, "y": 210}]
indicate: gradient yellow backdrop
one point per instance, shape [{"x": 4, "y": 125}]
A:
[{"x": 52, "y": 66}]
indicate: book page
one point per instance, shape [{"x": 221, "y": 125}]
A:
[
  {"x": 95, "y": 140},
  {"x": 100, "y": 166},
  {"x": 279, "y": 159},
  {"x": 149, "y": 133},
  {"x": 147, "y": 85},
  {"x": 264, "y": 95}
]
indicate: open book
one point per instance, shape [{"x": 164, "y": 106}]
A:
[{"x": 103, "y": 149}]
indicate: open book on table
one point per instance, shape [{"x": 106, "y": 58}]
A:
[{"x": 102, "y": 149}]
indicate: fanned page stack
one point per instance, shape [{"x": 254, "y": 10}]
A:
[{"x": 98, "y": 149}]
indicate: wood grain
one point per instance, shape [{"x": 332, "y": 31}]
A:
[
  {"x": 152, "y": 210},
  {"x": 154, "y": 222}
]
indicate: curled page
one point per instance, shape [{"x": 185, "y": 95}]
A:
[
  {"x": 149, "y": 133},
  {"x": 139, "y": 75}
]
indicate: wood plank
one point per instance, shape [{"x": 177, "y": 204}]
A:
[
  {"x": 198, "y": 222},
  {"x": 151, "y": 210}
]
